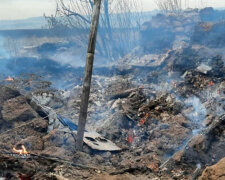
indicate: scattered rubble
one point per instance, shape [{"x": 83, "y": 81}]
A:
[{"x": 163, "y": 115}]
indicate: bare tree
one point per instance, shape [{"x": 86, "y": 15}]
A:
[
  {"x": 174, "y": 6},
  {"x": 118, "y": 24}
]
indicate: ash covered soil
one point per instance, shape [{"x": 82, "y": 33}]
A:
[{"x": 162, "y": 104}]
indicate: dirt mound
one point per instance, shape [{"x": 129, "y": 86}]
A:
[
  {"x": 210, "y": 34},
  {"x": 215, "y": 172},
  {"x": 162, "y": 31}
]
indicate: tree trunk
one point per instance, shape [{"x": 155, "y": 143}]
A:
[
  {"x": 88, "y": 75},
  {"x": 109, "y": 29}
]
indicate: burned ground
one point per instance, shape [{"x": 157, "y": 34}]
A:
[
  {"x": 151, "y": 126},
  {"x": 164, "y": 110}
]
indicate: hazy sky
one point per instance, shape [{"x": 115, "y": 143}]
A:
[{"x": 20, "y": 9}]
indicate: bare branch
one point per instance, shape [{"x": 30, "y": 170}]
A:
[
  {"x": 117, "y": 26},
  {"x": 70, "y": 13}
]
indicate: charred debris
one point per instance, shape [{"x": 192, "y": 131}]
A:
[{"x": 157, "y": 113}]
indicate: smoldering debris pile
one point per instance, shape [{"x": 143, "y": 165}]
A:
[{"x": 165, "y": 112}]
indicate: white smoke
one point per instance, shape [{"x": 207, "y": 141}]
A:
[
  {"x": 198, "y": 110},
  {"x": 3, "y": 51}
]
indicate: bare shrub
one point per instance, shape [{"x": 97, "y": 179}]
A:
[{"x": 118, "y": 27}]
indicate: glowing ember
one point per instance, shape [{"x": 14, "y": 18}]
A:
[
  {"x": 21, "y": 151},
  {"x": 130, "y": 139},
  {"x": 218, "y": 91},
  {"x": 144, "y": 119},
  {"x": 211, "y": 83},
  {"x": 9, "y": 79},
  {"x": 24, "y": 177}
]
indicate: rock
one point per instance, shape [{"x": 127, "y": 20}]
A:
[
  {"x": 17, "y": 109},
  {"x": 208, "y": 120},
  {"x": 121, "y": 177},
  {"x": 203, "y": 68},
  {"x": 198, "y": 143},
  {"x": 162, "y": 31},
  {"x": 116, "y": 104},
  {"x": 82, "y": 158},
  {"x": 48, "y": 98},
  {"x": 106, "y": 154},
  {"x": 164, "y": 126},
  {"x": 98, "y": 103},
  {"x": 57, "y": 177},
  {"x": 153, "y": 167},
  {"x": 99, "y": 159},
  {"x": 54, "y": 122},
  {"x": 54, "y": 152},
  {"x": 32, "y": 143},
  {"x": 178, "y": 156},
  {"x": 209, "y": 14},
  {"x": 209, "y": 34},
  {"x": 215, "y": 172},
  {"x": 58, "y": 139},
  {"x": 7, "y": 93}
]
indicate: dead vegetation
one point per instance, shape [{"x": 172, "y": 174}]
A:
[{"x": 164, "y": 113}]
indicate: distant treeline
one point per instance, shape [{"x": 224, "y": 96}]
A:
[{"x": 19, "y": 33}]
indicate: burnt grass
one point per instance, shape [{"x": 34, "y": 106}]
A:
[{"x": 62, "y": 74}]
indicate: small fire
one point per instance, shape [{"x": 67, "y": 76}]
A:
[
  {"x": 21, "y": 151},
  {"x": 9, "y": 79}
]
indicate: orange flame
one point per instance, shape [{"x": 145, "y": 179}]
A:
[
  {"x": 9, "y": 79},
  {"x": 22, "y": 151}
]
